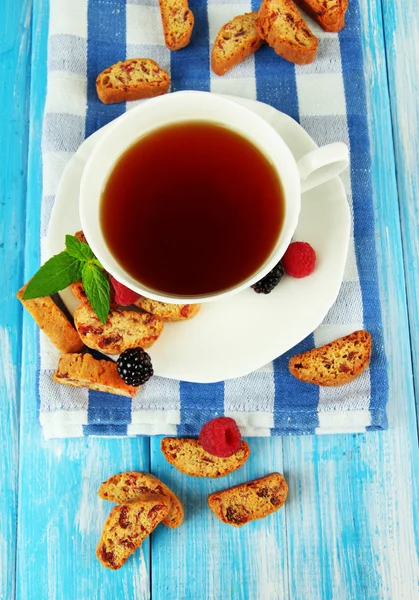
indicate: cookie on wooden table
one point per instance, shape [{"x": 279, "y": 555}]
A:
[
  {"x": 124, "y": 487},
  {"x": 127, "y": 527},
  {"x": 235, "y": 41},
  {"x": 336, "y": 363},
  {"x": 249, "y": 501},
  {"x": 132, "y": 79},
  {"x": 189, "y": 457},
  {"x": 84, "y": 371},
  {"x": 282, "y": 26},
  {"x": 123, "y": 329}
]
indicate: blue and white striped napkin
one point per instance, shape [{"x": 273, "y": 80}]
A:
[{"x": 328, "y": 99}]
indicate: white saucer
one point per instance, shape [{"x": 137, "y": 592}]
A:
[{"x": 237, "y": 335}]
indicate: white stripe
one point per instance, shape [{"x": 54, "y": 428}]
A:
[
  {"x": 343, "y": 422},
  {"x": 68, "y": 18},
  {"x": 54, "y": 165},
  {"x": 62, "y": 431},
  {"x": 144, "y": 25},
  {"x": 49, "y": 353},
  {"x": 252, "y": 421},
  {"x": 255, "y": 392},
  {"x": 149, "y": 429},
  {"x": 321, "y": 94},
  {"x": 160, "y": 418},
  {"x": 63, "y": 418},
  {"x": 257, "y": 432},
  {"x": 161, "y": 396},
  {"x": 66, "y": 93}
]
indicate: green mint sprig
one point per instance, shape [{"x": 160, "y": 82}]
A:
[{"x": 76, "y": 262}]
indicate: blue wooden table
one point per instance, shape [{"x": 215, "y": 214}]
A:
[{"x": 350, "y": 528}]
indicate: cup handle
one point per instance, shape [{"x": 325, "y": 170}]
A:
[{"x": 322, "y": 164}]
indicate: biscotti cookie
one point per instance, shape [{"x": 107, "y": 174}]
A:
[
  {"x": 132, "y": 79},
  {"x": 336, "y": 363},
  {"x": 84, "y": 371},
  {"x": 235, "y": 41},
  {"x": 329, "y": 14},
  {"x": 178, "y": 22},
  {"x": 189, "y": 457},
  {"x": 249, "y": 501},
  {"x": 127, "y": 527},
  {"x": 78, "y": 290},
  {"x": 281, "y": 25},
  {"x": 166, "y": 311},
  {"x": 123, "y": 329},
  {"x": 81, "y": 237},
  {"x": 53, "y": 322},
  {"x": 124, "y": 487}
]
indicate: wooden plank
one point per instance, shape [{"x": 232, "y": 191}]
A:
[
  {"x": 15, "y": 41},
  {"x": 206, "y": 559},
  {"x": 401, "y": 23},
  {"x": 352, "y": 520},
  {"x": 60, "y": 515}
]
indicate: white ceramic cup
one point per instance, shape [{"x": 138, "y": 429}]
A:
[{"x": 313, "y": 169}]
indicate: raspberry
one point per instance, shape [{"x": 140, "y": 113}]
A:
[
  {"x": 123, "y": 295},
  {"x": 220, "y": 437},
  {"x": 299, "y": 259}
]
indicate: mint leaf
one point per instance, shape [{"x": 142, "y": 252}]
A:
[
  {"x": 78, "y": 249},
  {"x": 97, "y": 262},
  {"x": 97, "y": 288},
  {"x": 56, "y": 274}
]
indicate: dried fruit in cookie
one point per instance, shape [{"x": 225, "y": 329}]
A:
[
  {"x": 250, "y": 500},
  {"x": 189, "y": 457},
  {"x": 127, "y": 527},
  {"x": 124, "y": 487}
]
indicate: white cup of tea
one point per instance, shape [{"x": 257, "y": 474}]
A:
[{"x": 182, "y": 109}]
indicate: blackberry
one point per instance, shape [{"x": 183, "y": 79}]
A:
[
  {"x": 271, "y": 280},
  {"x": 134, "y": 366}
]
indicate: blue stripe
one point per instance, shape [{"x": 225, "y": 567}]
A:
[
  {"x": 106, "y": 30},
  {"x": 295, "y": 403},
  {"x": 364, "y": 233},
  {"x": 275, "y": 79},
  {"x": 193, "y": 395},
  {"x": 107, "y": 408},
  {"x": 189, "y": 67}
]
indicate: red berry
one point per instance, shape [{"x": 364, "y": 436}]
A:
[
  {"x": 299, "y": 259},
  {"x": 221, "y": 437},
  {"x": 123, "y": 295}
]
